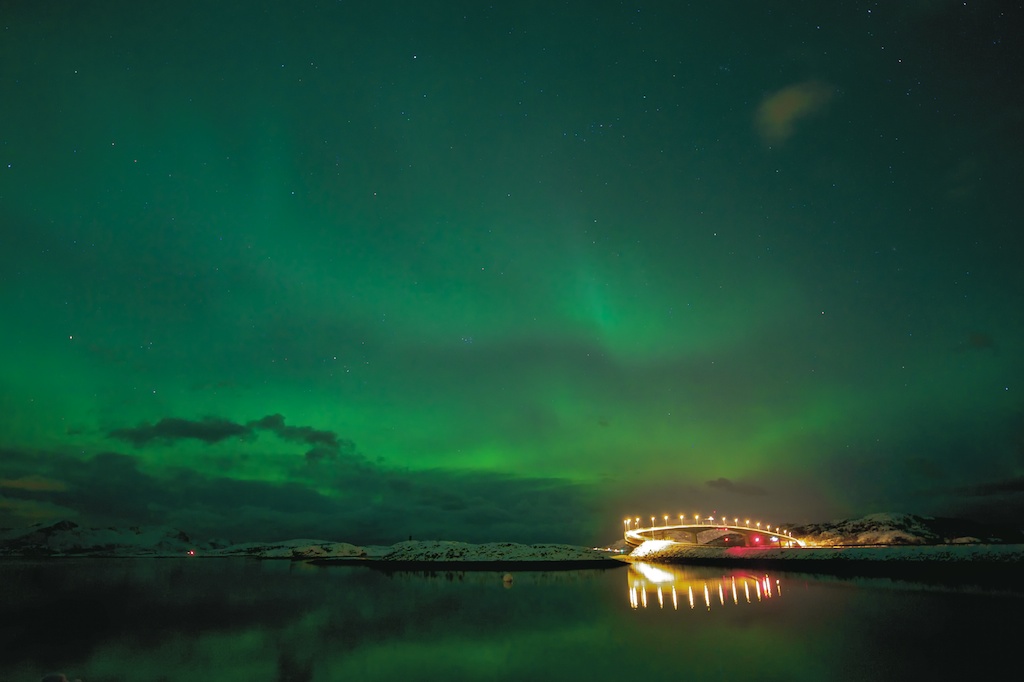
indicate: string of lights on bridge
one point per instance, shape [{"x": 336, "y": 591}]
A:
[
  {"x": 635, "y": 531},
  {"x": 701, "y": 521}
]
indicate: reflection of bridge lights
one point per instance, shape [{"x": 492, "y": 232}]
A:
[
  {"x": 669, "y": 590},
  {"x": 653, "y": 573}
]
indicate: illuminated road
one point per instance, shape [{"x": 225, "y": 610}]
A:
[{"x": 710, "y": 531}]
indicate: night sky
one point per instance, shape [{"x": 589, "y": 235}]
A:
[{"x": 511, "y": 271}]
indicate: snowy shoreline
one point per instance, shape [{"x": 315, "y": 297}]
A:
[
  {"x": 66, "y": 539},
  {"x": 981, "y": 565},
  {"x": 475, "y": 565},
  {"x": 656, "y": 550}
]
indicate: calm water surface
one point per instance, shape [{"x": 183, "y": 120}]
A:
[{"x": 226, "y": 619}]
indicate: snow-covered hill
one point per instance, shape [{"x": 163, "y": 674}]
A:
[
  {"x": 902, "y": 529},
  {"x": 292, "y": 549},
  {"x": 67, "y": 539}
]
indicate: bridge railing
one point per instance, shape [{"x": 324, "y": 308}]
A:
[{"x": 763, "y": 537}]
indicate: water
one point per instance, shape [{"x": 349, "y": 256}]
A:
[{"x": 225, "y": 619}]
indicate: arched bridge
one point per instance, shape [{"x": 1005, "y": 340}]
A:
[{"x": 712, "y": 534}]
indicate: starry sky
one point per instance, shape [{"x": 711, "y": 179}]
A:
[{"x": 508, "y": 271}]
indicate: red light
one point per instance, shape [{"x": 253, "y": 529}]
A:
[{"x": 191, "y": 552}]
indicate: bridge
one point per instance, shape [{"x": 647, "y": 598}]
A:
[{"x": 710, "y": 531}]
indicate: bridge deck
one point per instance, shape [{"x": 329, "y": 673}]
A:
[{"x": 755, "y": 536}]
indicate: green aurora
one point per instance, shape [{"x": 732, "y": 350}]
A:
[{"x": 509, "y": 272}]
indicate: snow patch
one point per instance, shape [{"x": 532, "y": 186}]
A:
[{"x": 442, "y": 550}]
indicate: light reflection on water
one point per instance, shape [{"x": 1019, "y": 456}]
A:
[
  {"x": 672, "y": 585},
  {"x": 141, "y": 620}
]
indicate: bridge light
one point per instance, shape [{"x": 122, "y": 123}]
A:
[
  {"x": 736, "y": 522},
  {"x": 666, "y": 519},
  {"x": 680, "y": 519},
  {"x": 652, "y": 522},
  {"x": 696, "y": 518},
  {"x": 759, "y": 525},
  {"x": 747, "y": 522}
]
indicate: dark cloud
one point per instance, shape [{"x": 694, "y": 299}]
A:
[
  {"x": 1008, "y": 486},
  {"x": 323, "y": 444},
  {"x": 738, "y": 488},
  {"x": 169, "y": 429},
  {"x": 319, "y": 454},
  {"x": 350, "y": 499},
  {"x": 1000, "y": 500}
]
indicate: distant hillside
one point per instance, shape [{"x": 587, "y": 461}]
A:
[
  {"x": 904, "y": 529},
  {"x": 66, "y": 538}
]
